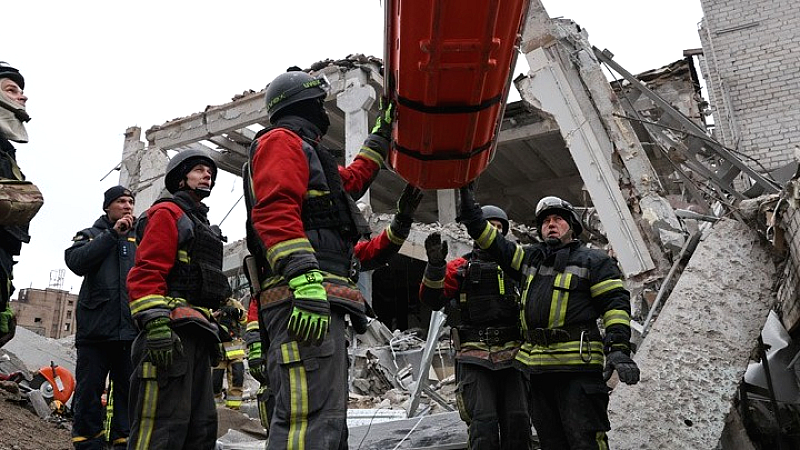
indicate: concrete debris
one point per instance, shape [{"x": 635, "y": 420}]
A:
[{"x": 697, "y": 351}]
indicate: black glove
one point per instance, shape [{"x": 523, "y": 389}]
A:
[
  {"x": 232, "y": 312},
  {"x": 406, "y": 206},
  {"x": 470, "y": 210},
  {"x": 436, "y": 249},
  {"x": 626, "y": 368},
  {"x": 359, "y": 323}
]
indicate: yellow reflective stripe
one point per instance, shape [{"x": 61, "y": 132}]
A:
[
  {"x": 616, "y": 317},
  {"x": 298, "y": 397},
  {"x": 437, "y": 284},
  {"x": 524, "y": 298},
  {"x": 558, "y": 303},
  {"x": 233, "y": 353},
  {"x": 397, "y": 240},
  {"x": 605, "y": 286},
  {"x": 316, "y": 193},
  {"x": 183, "y": 256},
  {"x": 602, "y": 440},
  {"x": 516, "y": 260},
  {"x": 251, "y": 326},
  {"x": 487, "y": 236},
  {"x": 131, "y": 239},
  {"x": 148, "y": 302},
  {"x": 233, "y": 403},
  {"x": 560, "y": 354},
  {"x": 371, "y": 155},
  {"x": 500, "y": 281},
  {"x": 286, "y": 248},
  {"x": 149, "y": 403},
  {"x": 119, "y": 441},
  {"x": 462, "y": 298}
]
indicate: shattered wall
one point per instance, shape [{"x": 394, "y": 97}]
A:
[{"x": 753, "y": 75}]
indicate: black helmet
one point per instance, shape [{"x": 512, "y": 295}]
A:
[
  {"x": 182, "y": 163},
  {"x": 6, "y": 71},
  {"x": 554, "y": 205},
  {"x": 491, "y": 212},
  {"x": 291, "y": 87}
]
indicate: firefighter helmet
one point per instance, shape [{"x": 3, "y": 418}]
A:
[
  {"x": 491, "y": 212},
  {"x": 554, "y": 205},
  {"x": 291, "y": 87},
  {"x": 6, "y": 71},
  {"x": 182, "y": 163}
]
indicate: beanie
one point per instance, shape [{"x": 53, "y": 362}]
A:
[{"x": 114, "y": 193}]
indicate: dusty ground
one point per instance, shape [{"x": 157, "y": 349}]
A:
[{"x": 21, "y": 429}]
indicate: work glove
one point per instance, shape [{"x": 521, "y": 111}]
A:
[
  {"x": 469, "y": 209},
  {"x": 255, "y": 362},
  {"x": 161, "y": 342},
  {"x": 436, "y": 249},
  {"x": 11, "y": 326},
  {"x": 406, "y": 206},
  {"x": 311, "y": 312},
  {"x": 232, "y": 312},
  {"x": 383, "y": 124},
  {"x": 626, "y": 368},
  {"x": 5, "y": 319}
]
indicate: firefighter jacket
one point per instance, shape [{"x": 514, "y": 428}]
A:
[
  {"x": 178, "y": 269},
  {"x": 301, "y": 210},
  {"x": 488, "y": 305},
  {"x": 566, "y": 289},
  {"x": 103, "y": 258},
  {"x": 11, "y": 237}
]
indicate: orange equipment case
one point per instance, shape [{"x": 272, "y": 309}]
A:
[{"x": 448, "y": 71}]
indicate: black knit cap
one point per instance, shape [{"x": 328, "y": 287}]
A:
[{"x": 114, "y": 193}]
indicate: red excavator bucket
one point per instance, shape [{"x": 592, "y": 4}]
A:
[{"x": 448, "y": 70}]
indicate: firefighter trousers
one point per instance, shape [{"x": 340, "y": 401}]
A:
[
  {"x": 494, "y": 405},
  {"x": 570, "y": 410},
  {"x": 232, "y": 364},
  {"x": 309, "y": 384},
  {"x": 95, "y": 362},
  {"x": 174, "y": 409}
]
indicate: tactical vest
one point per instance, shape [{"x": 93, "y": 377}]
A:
[
  {"x": 197, "y": 274},
  {"x": 487, "y": 296},
  {"x": 334, "y": 210}
]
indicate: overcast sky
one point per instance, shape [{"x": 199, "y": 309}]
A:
[{"x": 95, "y": 68}]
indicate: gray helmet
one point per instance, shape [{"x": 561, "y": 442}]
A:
[
  {"x": 491, "y": 212},
  {"x": 182, "y": 163},
  {"x": 554, "y": 205},
  {"x": 6, "y": 71},
  {"x": 291, "y": 87}
]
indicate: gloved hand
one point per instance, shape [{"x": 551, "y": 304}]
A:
[
  {"x": 436, "y": 249},
  {"x": 161, "y": 342},
  {"x": 469, "y": 209},
  {"x": 311, "y": 313},
  {"x": 10, "y": 326},
  {"x": 359, "y": 322},
  {"x": 383, "y": 124},
  {"x": 5, "y": 319},
  {"x": 406, "y": 206},
  {"x": 626, "y": 368},
  {"x": 232, "y": 312},
  {"x": 255, "y": 362}
]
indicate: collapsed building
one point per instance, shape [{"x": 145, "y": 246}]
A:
[{"x": 701, "y": 216}]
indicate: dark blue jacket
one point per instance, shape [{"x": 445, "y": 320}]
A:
[{"x": 103, "y": 259}]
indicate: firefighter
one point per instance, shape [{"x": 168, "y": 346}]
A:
[
  {"x": 568, "y": 287},
  {"x": 176, "y": 281},
  {"x": 12, "y": 128},
  {"x": 103, "y": 255},
  {"x": 305, "y": 224},
  {"x": 492, "y": 395},
  {"x": 231, "y": 319}
]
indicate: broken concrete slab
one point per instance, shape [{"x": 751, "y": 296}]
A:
[
  {"x": 697, "y": 351},
  {"x": 440, "y": 431},
  {"x": 37, "y": 351}
]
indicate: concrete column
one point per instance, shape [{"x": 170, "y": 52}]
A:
[{"x": 355, "y": 101}]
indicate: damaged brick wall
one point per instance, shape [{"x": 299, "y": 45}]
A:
[{"x": 790, "y": 277}]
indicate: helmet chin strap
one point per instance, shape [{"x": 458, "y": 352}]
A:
[{"x": 201, "y": 192}]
